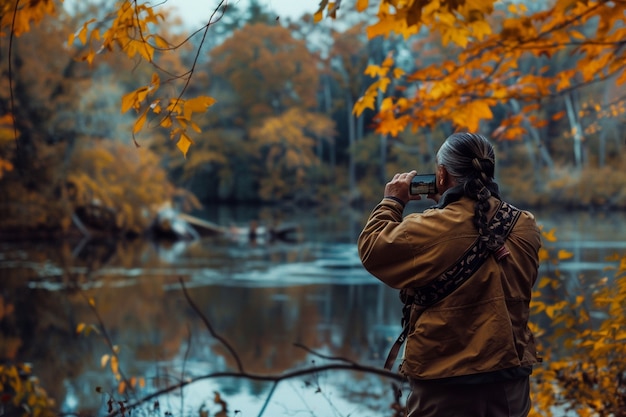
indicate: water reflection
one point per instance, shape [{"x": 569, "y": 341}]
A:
[{"x": 262, "y": 298}]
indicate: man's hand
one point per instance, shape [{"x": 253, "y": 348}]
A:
[{"x": 399, "y": 187}]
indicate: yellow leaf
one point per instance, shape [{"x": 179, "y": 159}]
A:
[
  {"x": 184, "y": 143},
  {"x": 544, "y": 282},
  {"x": 90, "y": 56},
  {"x": 91, "y": 328},
  {"x": 156, "y": 81},
  {"x": 549, "y": 236},
  {"x": 80, "y": 327},
  {"x": 166, "y": 122},
  {"x": 361, "y": 5},
  {"x": 146, "y": 51},
  {"x": 375, "y": 71},
  {"x": 104, "y": 359},
  {"x": 480, "y": 29},
  {"x": 472, "y": 113},
  {"x": 121, "y": 387},
  {"x": 195, "y": 127},
  {"x": 559, "y": 115},
  {"x": 388, "y": 62},
  {"x": 82, "y": 35},
  {"x": 141, "y": 95},
  {"x": 365, "y": 102},
  {"x": 92, "y": 302},
  {"x": 128, "y": 101},
  {"x": 552, "y": 309},
  {"x": 563, "y": 254},
  {"x": 114, "y": 365},
  {"x": 140, "y": 121},
  {"x": 156, "y": 106},
  {"x": 318, "y": 16},
  {"x": 383, "y": 28},
  {"x": 398, "y": 72},
  {"x": 161, "y": 42},
  {"x": 383, "y": 83},
  {"x": 196, "y": 105}
]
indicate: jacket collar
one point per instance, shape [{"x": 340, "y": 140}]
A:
[
  {"x": 450, "y": 196},
  {"x": 455, "y": 193}
]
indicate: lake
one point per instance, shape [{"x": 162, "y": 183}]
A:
[{"x": 271, "y": 306}]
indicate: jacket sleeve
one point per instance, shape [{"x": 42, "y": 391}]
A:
[{"x": 384, "y": 247}]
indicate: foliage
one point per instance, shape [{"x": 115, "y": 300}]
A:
[
  {"x": 127, "y": 28},
  {"x": 263, "y": 140},
  {"x": 584, "y": 345},
  {"x": 491, "y": 45},
  {"x": 106, "y": 175},
  {"x": 268, "y": 70},
  {"x": 25, "y": 205},
  {"x": 20, "y": 392},
  {"x": 130, "y": 30},
  {"x": 598, "y": 187},
  {"x": 287, "y": 144}
]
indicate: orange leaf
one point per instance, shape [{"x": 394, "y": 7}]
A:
[
  {"x": 140, "y": 121},
  {"x": 365, "y": 102},
  {"x": 197, "y": 104},
  {"x": 184, "y": 143},
  {"x": 563, "y": 254}
]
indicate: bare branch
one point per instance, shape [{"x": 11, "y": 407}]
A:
[
  {"x": 210, "y": 327},
  {"x": 267, "y": 378}
]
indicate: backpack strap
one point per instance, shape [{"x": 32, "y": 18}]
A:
[{"x": 416, "y": 300}]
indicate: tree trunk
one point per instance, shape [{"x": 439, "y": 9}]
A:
[
  {"x": 539, "y": 146},
  {"x": 351, "y": 141},
  {"x": 576, "y": 131}
]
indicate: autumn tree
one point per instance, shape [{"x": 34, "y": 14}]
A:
[
  {"x": 534, "y": 74},
  {"x": 59, "y": 120},
  {"x": 260, "y": 141}
]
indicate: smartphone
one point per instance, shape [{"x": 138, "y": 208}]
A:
[{"x": 423, "y": 184}]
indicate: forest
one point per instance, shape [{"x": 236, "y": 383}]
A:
[
  {"x": 318, "y": 111},
  {"x": 113, "y": 112}
]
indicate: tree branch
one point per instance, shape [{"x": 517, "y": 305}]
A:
[{"x": 210, "y": 327}]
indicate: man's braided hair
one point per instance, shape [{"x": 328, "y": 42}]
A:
[{"x": 470, "y": 159}]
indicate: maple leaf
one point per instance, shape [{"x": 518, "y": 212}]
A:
[
  {"x": 365, "y": 102},
  {"x": 376, "y": 71},
  {"x": 471, "y": 114}
]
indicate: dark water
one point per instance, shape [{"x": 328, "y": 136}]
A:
[{"x": 278, "y": 306}]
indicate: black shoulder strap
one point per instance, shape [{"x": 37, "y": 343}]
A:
[
  {"x": 417, "y": 299},
  {"x": 443, "y": 285}
]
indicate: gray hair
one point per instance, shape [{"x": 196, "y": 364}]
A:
[
  {"x": 468, "y": 156},
  {"x": 470, "y": 159}
]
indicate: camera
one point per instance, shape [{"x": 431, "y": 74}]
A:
[{"x": 423, "y": 184}]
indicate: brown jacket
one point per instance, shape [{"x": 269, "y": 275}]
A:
[{"x": 483, "y": 325}]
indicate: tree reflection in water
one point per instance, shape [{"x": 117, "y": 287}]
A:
[{"x": 261, "y": 299}]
